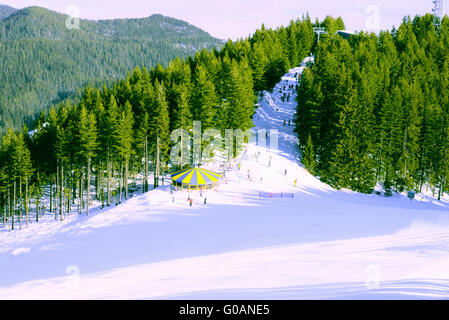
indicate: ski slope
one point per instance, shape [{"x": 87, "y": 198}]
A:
[{"x": 320, "y": 244}]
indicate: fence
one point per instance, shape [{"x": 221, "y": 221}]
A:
[{"x": 276, "y": 195}]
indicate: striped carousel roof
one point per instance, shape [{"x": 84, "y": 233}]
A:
[{"x": 195, "y": 177}]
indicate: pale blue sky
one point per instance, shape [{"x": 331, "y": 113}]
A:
[{"x": 239, "y": 18}]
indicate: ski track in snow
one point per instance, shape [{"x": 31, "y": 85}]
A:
[{"x": 321, "y": 244}]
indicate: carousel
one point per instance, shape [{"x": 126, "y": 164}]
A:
[{"x": 195, "y": 179}]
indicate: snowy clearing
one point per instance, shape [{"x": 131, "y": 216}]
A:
[{"x": 320, "y": 244}]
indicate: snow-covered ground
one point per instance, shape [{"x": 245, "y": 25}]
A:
[{"x": 320, "y": 244}]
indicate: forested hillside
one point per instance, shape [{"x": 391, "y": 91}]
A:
[
  {"x": 376, "y": 109},
  {"x": 118, "y": 134},
  {"x": 42, "y": 62}
]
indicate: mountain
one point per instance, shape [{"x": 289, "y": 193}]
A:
[
  {"x": 43, "y": 62},
  {"x": 6, "y": 11},
  {"x": 38, "y": 23}
]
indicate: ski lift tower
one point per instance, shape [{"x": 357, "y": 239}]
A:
[
  {"x": 438, "y": 12},
  {"x": 318, "y": 31}
]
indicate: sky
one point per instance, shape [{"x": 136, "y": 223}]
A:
[{"x": 239, "y": 18}]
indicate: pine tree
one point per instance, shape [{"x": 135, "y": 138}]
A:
[
  {"x": 159, "y": 138},
  {"x": 88, "y": 145},
  {"x": 124, "y": 140},
  {"x": 8, "y": 168},
  {"x": 240, "y": 96},
  {"x": 204, "y": 98},
  {"x": 108, "y": 141},
  {"x": 141, "y": 145},
  {"x": 182, "y": 117},
  {"x": 23, "y": 170},
  {"x": 259, "y": 65},
  {"x": 308, "y": 156}
]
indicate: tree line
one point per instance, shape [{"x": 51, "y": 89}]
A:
[
  {"x": 375, "y": 109},
  {"x": 99, "y": 147}
]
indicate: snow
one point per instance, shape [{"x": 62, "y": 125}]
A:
[
  {"x": 321, "y": 244},
  {"x": 18, "y": 251},
  {"x": 33, "y": 132}
]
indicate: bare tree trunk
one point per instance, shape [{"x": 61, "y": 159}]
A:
[
  {"x": 57, "y": 190},
  {"x": 441, "y": 189},
  {"x": 109, "y": 183},
  {"x": 26, "y": 201},
  {"x": 182, "y": 149},
  {"x": 9, "y": 208},
  {"x": 73, "y": 185},
  {"x": 156, "y": 174},
  {"x": 100, "y": 192},
  {"x": 120, "y": 183},
  {"x": 404, "y": 152},
  {"x": 29, "y": 203},
  {"x": 145, "y": 183},
  {"x": 80, "y": 197},
  {"x": 51, "y": 195},
  {"x": 14, "y": 205},
  {"x": 96, "y": 185},
  {"x": 20, "y": 203},
  {"x": 88, "y": 186},
  {"x": 37, "y": 207},
  {"x": 4, "y": 209},
  {"x": 83, "y": 204},
  {"x": 61, "y": 193},
  {"x": 126, "y": 179},
  {"x": 134, "y": 173},
  {"x": 69, "y": 203}
]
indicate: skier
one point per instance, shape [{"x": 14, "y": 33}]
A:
[
  {"x": 284, "y": 123},
  {"x": 191, "y": 202},
  {"x": 296, "y": 180},
  {"x": 285, "y": 172},
  {"x": 205, "y": 200},
  {"x": 289, "y": 122}
]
